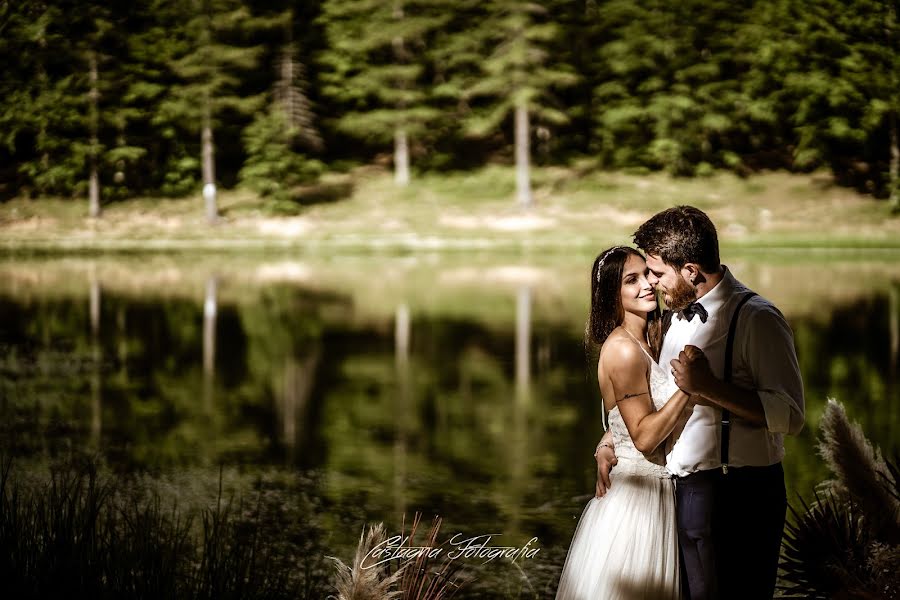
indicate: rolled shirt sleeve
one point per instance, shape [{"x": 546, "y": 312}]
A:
[{"x": 772, "y": 361}]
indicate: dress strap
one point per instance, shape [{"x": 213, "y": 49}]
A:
[{"x": 640, "y": 345}]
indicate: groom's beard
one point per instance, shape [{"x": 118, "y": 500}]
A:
[{"x": 681, "y": 295}]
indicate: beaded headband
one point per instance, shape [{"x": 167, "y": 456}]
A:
[{"x": 603, "y": 258}]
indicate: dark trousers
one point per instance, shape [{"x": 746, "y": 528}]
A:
[{"x": 729, "y": 531}]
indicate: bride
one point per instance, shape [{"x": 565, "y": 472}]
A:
[{"x": 626, "y": 542}]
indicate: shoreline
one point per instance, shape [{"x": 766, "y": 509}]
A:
[{"x": 466, "y": 212}]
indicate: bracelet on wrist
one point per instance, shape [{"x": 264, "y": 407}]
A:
[{"x": 602, "y": 445}]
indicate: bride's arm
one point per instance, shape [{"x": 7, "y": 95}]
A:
[
  {"x": 605, "y": 455},
  {"x": 646, "y": 426}
]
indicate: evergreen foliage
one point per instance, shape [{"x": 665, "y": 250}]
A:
[
  {"x": 121, "y": 95},
  {"x": 273, "y": 167},
  {"x": 371, "y": 67}
]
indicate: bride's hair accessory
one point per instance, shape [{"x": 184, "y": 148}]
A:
[{"x": 603, "y": 258}]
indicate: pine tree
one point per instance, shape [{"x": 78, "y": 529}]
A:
[
  {"x": 66, "y": 97},
  {"x": 274, "y": 166},
  {"x": 92, "y": 54},
  {"x": 503, "y": 68},
  {"x": 670, "y": 93},
  {"x": 375, "y": 69},
  {"x": 847, "y": 98},
  {"x": 290, "y": 94},
  {"x": 209, "y": 65},
  {"x": 42, "y": 102}
]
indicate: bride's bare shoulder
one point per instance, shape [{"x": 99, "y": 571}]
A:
[{"x": 620, "y": 350}]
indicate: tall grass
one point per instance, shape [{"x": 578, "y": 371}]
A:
[
  {"x": 82, "y": 534},
  {"x": 846, "y": 544}
]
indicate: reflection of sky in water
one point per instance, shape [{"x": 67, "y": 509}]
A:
[{"x": 454, "y": 389}]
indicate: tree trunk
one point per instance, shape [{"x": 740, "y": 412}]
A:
[
  {"x": 523, "y": 175},
  {"x": 895, "y": 164},
  {"x": 401, "y": 158},
  {"x": 401, "y": 143},
  {"x": 209, "y": 166},
  {"x": 43, "y": 84},
  {"x": 94, "y": 124},
  {"x": 287, "y": 80}
]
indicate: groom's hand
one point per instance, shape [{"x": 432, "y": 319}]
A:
[
  {"x": 692, "y": 371},
  {"x": 606, "y": 460}
]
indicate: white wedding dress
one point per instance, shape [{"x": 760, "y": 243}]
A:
[{"x": 626, "y": 543}]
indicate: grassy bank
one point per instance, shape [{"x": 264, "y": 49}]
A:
[{"x": 365, "y": 212}]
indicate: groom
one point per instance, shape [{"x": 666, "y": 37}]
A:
[{"x": 726, "y": 462}]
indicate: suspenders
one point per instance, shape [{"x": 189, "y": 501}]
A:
[{"x": 729, "y": 352}]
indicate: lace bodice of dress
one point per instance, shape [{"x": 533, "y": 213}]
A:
[{"x": 630, "y": 458}]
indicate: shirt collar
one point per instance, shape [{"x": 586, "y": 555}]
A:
[{"x": 713, "y": 300}]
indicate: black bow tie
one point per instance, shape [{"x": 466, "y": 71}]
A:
[{"x": 694, "y": 308}]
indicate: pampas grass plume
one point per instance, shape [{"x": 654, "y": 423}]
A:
[
  {"x": 356, "y": 583},
  {"x": 859, "y": 469}
]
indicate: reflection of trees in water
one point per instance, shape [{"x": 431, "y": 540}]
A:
[
  {"x": 489, "y": 422},
  {"x": 293, "y": 404},
  {"x": 402, "y": 334},
  {"x": 847, "y": 354},
  {"x": 210, "y": 309},
  {"x": 144, "y": 362},
  {"x": 97, "y": 360},
  {"x": 517, "y": 457},
  {"x": 894, "y": 313}
]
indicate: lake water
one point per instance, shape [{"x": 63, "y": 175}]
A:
[{"x": 363, "y": 389}]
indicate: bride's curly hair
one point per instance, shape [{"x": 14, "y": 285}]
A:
[{"x": 606, "y": 311}]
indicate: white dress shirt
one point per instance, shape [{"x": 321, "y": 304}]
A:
[{"x": 764, "y": 360}]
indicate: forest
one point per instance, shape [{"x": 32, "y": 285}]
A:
[{"x": 157, "y": 98}]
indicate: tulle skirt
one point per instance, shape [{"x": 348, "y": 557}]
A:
[{"x": 626, "y": 544}]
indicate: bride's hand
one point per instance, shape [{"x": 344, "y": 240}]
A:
[
  {"x": 691, "y": 370},
  {"x": 606, "y": 460}
]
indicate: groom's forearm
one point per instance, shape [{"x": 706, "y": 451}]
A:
[{"x": 739, "y": 401}]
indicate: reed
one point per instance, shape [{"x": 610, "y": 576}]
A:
[
  {"x": 428, "y": 578},
  {"x": 83, "y": 534}
]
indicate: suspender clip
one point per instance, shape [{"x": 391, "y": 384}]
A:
[{"x": 725, "y": 469}]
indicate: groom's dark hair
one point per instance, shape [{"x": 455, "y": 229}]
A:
[{"x": 681, "y": 235}]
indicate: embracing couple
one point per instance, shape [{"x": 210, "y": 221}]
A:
[{"x": 690, "y": 499}]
